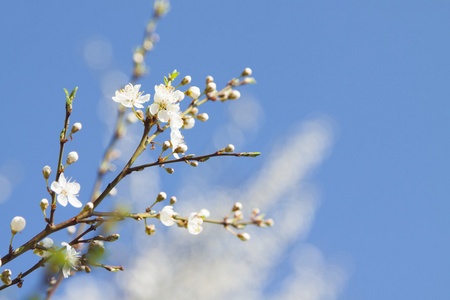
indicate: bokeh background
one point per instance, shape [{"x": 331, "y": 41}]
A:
[{"x": 350, "y": 111}]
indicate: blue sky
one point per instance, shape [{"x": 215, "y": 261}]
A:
[{"x": 378, "y": 69}]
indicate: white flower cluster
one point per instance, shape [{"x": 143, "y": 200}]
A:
[{"x": 167, "y": 109}]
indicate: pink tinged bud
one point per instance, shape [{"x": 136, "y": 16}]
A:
[
  {"x": 76, "y": 127},
  {"x": 72, "y": 157},
  {"x": 229, "y": 148},
  {"x": 186, "y": 80},
  {"x": 46, "y": 171},
  {"x": 243, "y": 236},
  {"x": 234, "y": 95},
  {"x": 203, "y": 117},
  {"x": 17, "y": 224},
  {"x": 247, "y": 72},
  {"x": 161, "y": 197}
]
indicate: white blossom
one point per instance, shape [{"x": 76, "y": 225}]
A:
[
  {"x": 130, "y": 96},
  {"x": 17, "y": 224},
  {"x": 71, "y": 258},
  {"x": 194, "y": 223},
  {"x": 166, "y": 102},
  {"x": 166, "y": 215},
  {"x": 204, "y": 213},
  {"x": 67, "y": 191}
]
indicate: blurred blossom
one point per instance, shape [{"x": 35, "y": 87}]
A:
[{"x": 98, "y": 53}]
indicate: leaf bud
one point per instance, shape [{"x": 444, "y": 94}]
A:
[{"x": 112, "y": 238}]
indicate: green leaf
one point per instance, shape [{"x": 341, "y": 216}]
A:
[{"x": 72, "y": 94}]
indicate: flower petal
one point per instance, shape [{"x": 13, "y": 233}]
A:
[
  {"x": 74, "y": 201},
  {"x": 62, "y": 199}
]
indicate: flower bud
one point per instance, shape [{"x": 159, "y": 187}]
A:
[
  {"x": 150, "y": 229},
  {"x": 131, "y": 118},
  {"x": 44, "y": 204},
  {"x": 234, "y": 95},
  {"x": 210, "y": 87},
  {"x": 113, "y": 192},
  {"x": 244, "y": 236},
  {"x": 173, "y": 200},
  {"x": 204, "y": 213},
  {"x": 72, "y": 157},
  {"x": 71, "y": 229},
  {"x": 46, "y": 171},
  {"x": 237, "y": 206},
  {"x": 189, "y": 123},
  {"x": 186, "y": 80},
  {"x": 238, "y": 215},
  {"x": 88, "y": 207},
  {"x": 138, "y": 58},
  {"x": 246, "y": 72},
  {"x": 193, "y": 92},
  {"x": 248, "y": 80},
  {"x": 229, "y": 148},
  {"x": 76, "y": 127},
  {"x": 166, "y": 145},
  {"x": 269, "y": 222},
  {"x": 17, "y": 224},
  {"x": 170, "y": 170},
  {"x": 209, "y": 79},
  {"x": 194, "y": 163},
  {"x": 194, "y": 111},
  {"x": 161, "y": 197},
  {"x": 256, "y": 211},
  {"x": 181, "y": 148},
  {"x": 203, "y": 117},
  {"x": 140, "y": 113}
]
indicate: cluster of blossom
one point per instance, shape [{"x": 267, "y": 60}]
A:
[{"x": 164, "y": 109}]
